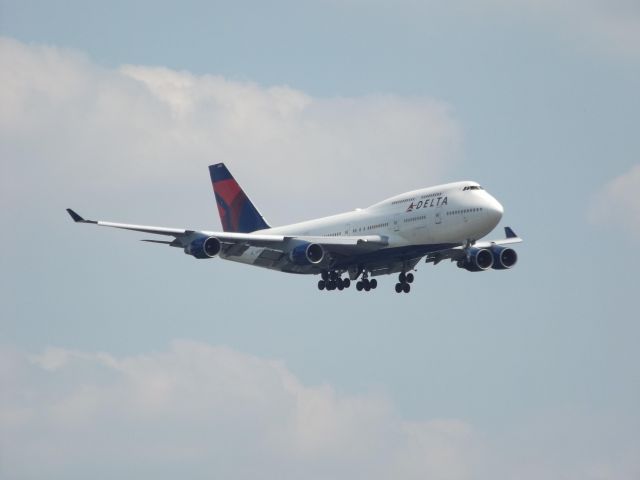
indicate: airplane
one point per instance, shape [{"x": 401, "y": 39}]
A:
[{"x": 437, "y": 223}]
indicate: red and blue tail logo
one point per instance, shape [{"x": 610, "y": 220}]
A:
[{"x": 237, "y": 213}]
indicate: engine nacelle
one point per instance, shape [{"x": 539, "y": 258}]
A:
[
  {"x": 307, "y": 254},
  {"x": 478, "y": 260},
  {"x": 204, "y": 247},
  {"x": 503, "y": 257}
]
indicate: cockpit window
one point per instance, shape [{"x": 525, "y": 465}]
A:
[{"x": 472, "y": 187}]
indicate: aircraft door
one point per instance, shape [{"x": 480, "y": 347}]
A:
[
  {"x": 396, "y": 223},
  {"x": 438, "y": 216}
]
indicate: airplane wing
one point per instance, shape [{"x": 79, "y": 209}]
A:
[
  {"x": 458, "y": 253},
  {"x": 241, "y": 241}
]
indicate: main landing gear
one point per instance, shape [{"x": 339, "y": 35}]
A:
[
  {"x": 332, "y": 281},
  {"x": 366, "y": 284},
  {"x": 404, "y": 279}
]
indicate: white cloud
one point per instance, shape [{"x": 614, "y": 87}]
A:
[
  {"x": 212, "y": 412},
  {"x": 67, "y": 122},
  {"x": 618, "y": 203},
  {"x": 202, "y": 411},
  {"x": 608, "y": 25}
]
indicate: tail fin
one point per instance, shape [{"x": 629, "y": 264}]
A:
[{"x": 237, "y": 212}]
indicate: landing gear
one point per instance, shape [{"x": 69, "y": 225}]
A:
[
  {"x": 333, "y": 281},
  {"x": 404, "y": 279},
  {"x": 366, "y": 284}
]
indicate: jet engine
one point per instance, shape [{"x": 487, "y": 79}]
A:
[
  {"x": 307, "y": 254},
  {"x": 477, "y": 260},
  {"x": 204, "y": 247},
  {"x": 503, "y": 257}
]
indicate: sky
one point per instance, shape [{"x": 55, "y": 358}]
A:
[{"x": 120, "y": 358}]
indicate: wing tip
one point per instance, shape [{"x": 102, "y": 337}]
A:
[
  {"x": 508, "y": 231},
  {"x": 77, "y": 218}
]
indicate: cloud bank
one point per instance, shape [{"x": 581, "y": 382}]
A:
[
  {"x": 207, "y": 412},
  {"x": 618, "y": 203},
  {"x": 607, "y": 26},
  {"x": 65, "y": 120},
  {"x": 612, "y": 26},
  {"x": 201, "y": 411}
]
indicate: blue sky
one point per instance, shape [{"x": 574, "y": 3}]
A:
[{"x": 125, "y": 353}]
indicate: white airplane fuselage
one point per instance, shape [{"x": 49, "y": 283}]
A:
[
  {"x": 434, "y": 224},
  {"x": 452, "y": 213}
]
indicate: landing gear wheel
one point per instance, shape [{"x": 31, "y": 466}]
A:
[
  {"x": 346, "y": 282},
  {"x": 373, "y": 283},
  {"x": 324, "y": 275},
  {"x": 321, "y": 285},
  {"x": 406, "y": 288},
  {"x": 339, "y": 284},
  {"x": 399, "y": 287},
  {"x": 331, "y": 285},
  {"x": 359, "y": 286},
  {"x": 367, "y": 286},
  {"x": 409, "y": 278},
  {"x": 402, "y": 277}
]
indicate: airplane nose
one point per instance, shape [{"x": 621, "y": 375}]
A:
[{"x": 495, "y": 210}]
